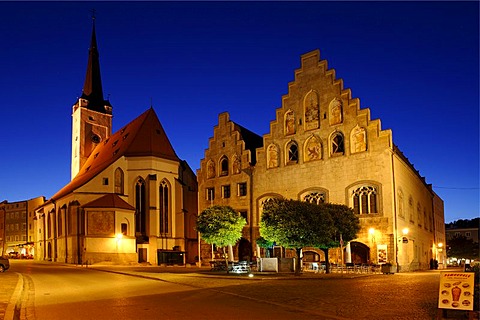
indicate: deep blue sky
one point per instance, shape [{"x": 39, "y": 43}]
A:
[{"x": 414, "y": 64}]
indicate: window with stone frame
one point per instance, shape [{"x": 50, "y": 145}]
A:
[
  {"x": 316, "y": 197},
  {"x": 242, "y": 189},
  {"x": 410, "y": 210},
  {"x": 224, "y": 166},
  {"x": 292, "y": 153},
  {"x": 210, "y": 194},
  {"x": 118, "y": 181},
  {"x": 164, "y": 207},
  {"x": 338, "y": 144},
  {"x": 226, "y": 191},
  {"x": 365, "y": 200}
]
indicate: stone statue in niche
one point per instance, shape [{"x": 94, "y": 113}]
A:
[
  {"x": 237, "y": 164},
  {"x": 358, "y": 139},
  {"x": 336, "y": 112},
  {"x": 312, "y": 111},
  {"x": 272, "y": 156},
  {"x": 289, "y": 122},
  {"x": 313, "y": 149},
  {"x": 210, "y": 169}
]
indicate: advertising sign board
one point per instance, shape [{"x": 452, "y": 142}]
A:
[{"x": 456, "y": 290}]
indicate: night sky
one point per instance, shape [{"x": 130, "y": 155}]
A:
[{"x": 414, "y": 64}]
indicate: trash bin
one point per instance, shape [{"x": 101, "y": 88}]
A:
[{"x": 388, "y": 268}]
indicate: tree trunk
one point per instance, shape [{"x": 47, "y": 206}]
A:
[
  {"x": 327, "y": 263},
  {"x": 225, "y": 255},
  {"x": 298, "y": 268}
]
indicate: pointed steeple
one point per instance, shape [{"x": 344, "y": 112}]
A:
[{"x": 92, "y": 88}]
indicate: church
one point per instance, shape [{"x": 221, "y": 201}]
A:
[
  {"x": 323, "y": 147},
  {"x": 130, "y": 198}
]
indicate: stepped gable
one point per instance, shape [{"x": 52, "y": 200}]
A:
[
  {"x": 144, "y": 136},
  {"x": 251, "y": 139},
  {"x": 110, "y": 200}
]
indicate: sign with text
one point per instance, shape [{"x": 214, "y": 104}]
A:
[{"x": 456, "y": 290}]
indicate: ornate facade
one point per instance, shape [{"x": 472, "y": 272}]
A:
[{"x": 322, "y": 147}]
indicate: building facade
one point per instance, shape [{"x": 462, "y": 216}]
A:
[
  {"x": 16, "y": 227},
  {"x": 322, "y": 147},
  {"x": 131, "y": 199}
]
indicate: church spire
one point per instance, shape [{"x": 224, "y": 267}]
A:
[{"x": 92, "y": 88}]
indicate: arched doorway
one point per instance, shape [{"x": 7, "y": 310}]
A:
[
  {"x": 244, "y": 250},
  {"x": 49, "y": 252},
  {"x": 360, "y": 253}
]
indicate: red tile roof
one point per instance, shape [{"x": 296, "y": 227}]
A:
[
  {"x": 144, "y": 136},
  {"x": 109, "y": 200}
]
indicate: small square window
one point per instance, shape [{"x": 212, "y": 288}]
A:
[
  {"x": 105, "y": 181},
  {"x": 242, "y": 189},
  {"x": 226, "y": 191}
]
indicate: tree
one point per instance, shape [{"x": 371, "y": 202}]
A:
[
  {"x": 346, "y": 226},
  {"x": 462, "y": 248},
  {"x": 296, "y": 224},
  {"x": 221, "y": 226},
  {"x": 266, "y": 244}
]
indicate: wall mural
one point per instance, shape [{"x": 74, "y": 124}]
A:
[
  {"x": 272, "y": 156},
  {"x": 289, "y": 122},
  {"x": 237, "y": 164},
  {"x": 101, "y": 223},
  {"x": 312, "y": 111},
  {"x": 210, "y": 169},
  {"x": 358, "y": 139},
  {"x": 336, "y": 111},
  {"x": 313, "y": 149}
]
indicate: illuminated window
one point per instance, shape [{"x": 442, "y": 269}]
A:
[{"x": 365, "y": 200}]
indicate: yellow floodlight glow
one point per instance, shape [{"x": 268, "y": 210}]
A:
[
  {"x": 405, "y": 231},
  {"x": 371, "y": 231}
]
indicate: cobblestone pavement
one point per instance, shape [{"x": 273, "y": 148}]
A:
[
  {"x": 346, "y": 296},
  {"x": 407, "y": 296},
  {"x": 8, "y": 284}
]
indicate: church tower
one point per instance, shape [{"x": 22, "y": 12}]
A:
[{"x": 92, "y": 115}]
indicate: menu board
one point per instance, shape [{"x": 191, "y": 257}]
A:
[{"x": 456, "y": 290}]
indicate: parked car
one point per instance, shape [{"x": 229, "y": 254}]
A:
[{"x": 4, "y": 264}]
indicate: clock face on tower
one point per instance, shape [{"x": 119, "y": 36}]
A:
[{"x": 95, "y": 138}]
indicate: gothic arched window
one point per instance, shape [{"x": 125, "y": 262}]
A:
[
  {"x": 164, "y": 207},
  {"x": 365, "y": 200},
  {"x": 292, "y": 153},
  {"x": 140, "y": 206},
  {"x": 338, "y": 146},
  {"x": 316, "y": 197},
  {"x": 118, "y": 181},
  {"x": 224, "y": 166}
]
